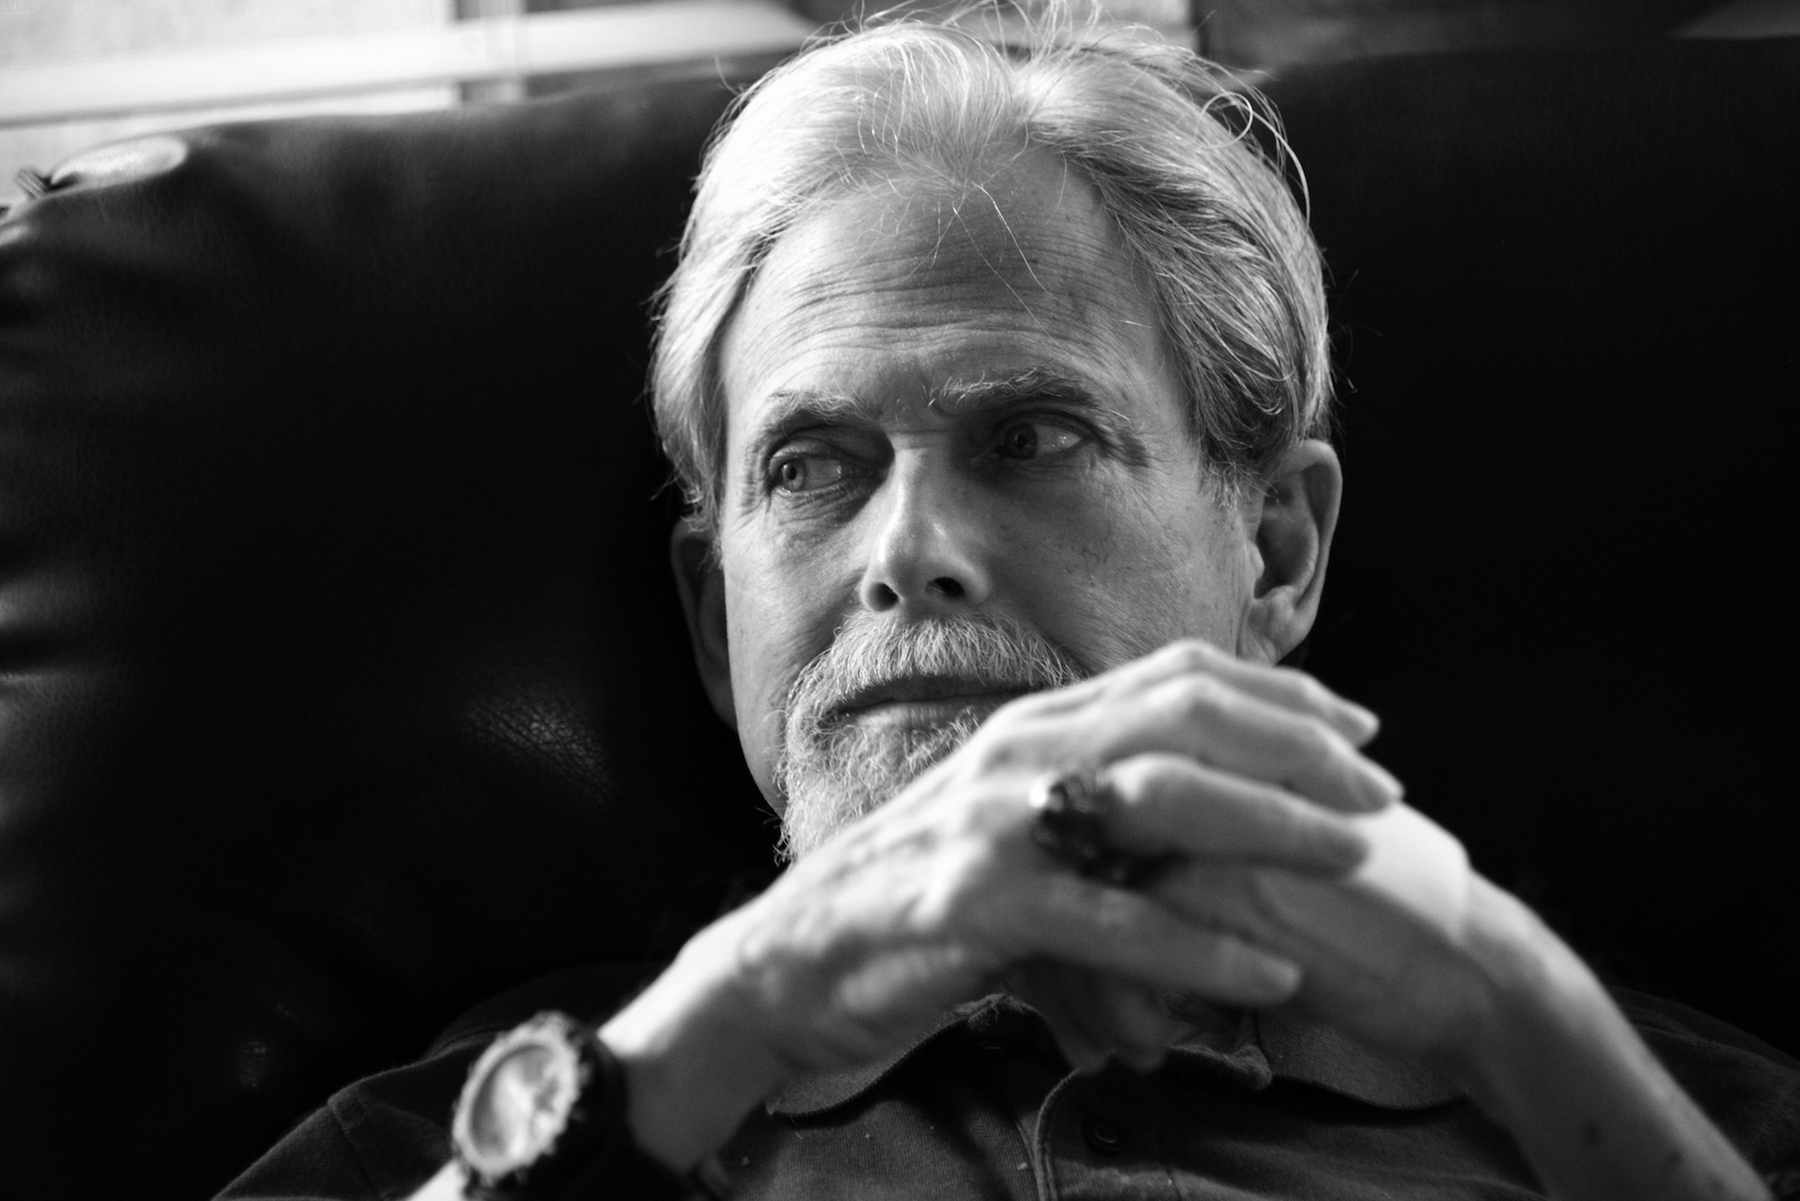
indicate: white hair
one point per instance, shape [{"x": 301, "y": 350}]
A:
[{"x": 1165, "y": 139}]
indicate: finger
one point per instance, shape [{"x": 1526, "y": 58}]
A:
[
  {"x": 1285, "y": 687},
  {"x": 1214, "y": 723},
  {"x": 1300, "y": 693},
  {"x": 1169, "y": 805},
  {"x": 1045, "y": 988},
  {"x": 1224, "y": 898},
  {"x": 1095, "y": 1015},
  {"x": 1130, "y": 1018},
  {"x": 1280, "y": 686},
  {"x": 1115, "y": 930}
]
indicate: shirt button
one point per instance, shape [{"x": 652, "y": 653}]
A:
[{"x": 1104, "y": 1137}]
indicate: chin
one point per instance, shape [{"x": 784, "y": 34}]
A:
[{"x": 830, "y": 783}]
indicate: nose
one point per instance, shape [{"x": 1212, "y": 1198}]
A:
[{"x": 928, "y": 554}]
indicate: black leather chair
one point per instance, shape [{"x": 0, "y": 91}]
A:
[
  {"x": 341, "y": 679},
  {"x": 1570, "y": 325}
]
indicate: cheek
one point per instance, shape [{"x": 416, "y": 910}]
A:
[
  {"x": 778, "y": 617},
  {"x": 1116, "y": 581}
]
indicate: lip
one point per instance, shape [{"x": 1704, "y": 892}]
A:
[{"x": 927, "y": 701}]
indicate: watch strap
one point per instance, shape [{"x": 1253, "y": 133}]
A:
[{"x": 591, "y": 1153}]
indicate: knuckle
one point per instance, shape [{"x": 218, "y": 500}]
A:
[
  {"x": 1184, "y": 656},
  {"x": 994, "y": 751},
  {"x": 1129, "y": 779},
  {"x": 1024, "y": 708},
  {"x": 1191, "y": 652},
  {"x": 1310, "y": 692},
  {"x": 1199, "y": 656},
  {"x": 1150, "y": 777},
  {"x": 1200, "y": 697}
]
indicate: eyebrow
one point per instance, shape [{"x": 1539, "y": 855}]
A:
[
  {"x": 788, "y": 410},
  {"x": 1021, "y": 387}
]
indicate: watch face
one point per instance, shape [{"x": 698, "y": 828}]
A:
[{"x": 519, "y": 1097}]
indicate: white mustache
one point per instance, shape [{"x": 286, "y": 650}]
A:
[
  {"x": 870, "y": 653},
  {"x": 832, "y": 771}
]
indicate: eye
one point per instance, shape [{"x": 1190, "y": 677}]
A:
[
  {"x": 805, "y": 472},
  {"x": 1035, "y": 439}
]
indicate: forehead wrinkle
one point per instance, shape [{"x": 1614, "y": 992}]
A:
[
  {"x": 981, "y": 253},
  {"x": 1013, "y": 237}
]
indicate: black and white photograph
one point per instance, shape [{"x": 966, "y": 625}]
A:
[{"x": 974, "y": 600}]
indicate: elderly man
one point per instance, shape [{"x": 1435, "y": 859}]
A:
[{"x": 998, "y": 382}]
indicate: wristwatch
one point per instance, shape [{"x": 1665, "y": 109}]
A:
[
  {"x": 543, "y": 1118},
  {"x": 537, "y": 1100}
]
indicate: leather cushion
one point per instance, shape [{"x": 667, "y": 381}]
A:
[
  {"x": 1564, "y": 284},
  {"x": 342, "y": 682}
]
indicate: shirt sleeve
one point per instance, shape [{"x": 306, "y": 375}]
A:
[{"x": 383, "y": 1137}]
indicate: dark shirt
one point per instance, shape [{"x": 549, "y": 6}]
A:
[{"x": 1261, "y": 1106}]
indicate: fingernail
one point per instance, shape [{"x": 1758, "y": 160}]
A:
[
  {"x": 1363, "y": 723},
  {"x": 1383, "y": 787},
  {"x": 1342, "y": 848},
  {"x": 1272, "y": 980}
]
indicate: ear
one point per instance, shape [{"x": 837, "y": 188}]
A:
[
  {"x": 1298, "y": 515},
  {"x": 702, "y": 587}
]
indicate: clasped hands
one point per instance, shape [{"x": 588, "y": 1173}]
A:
[{"x": 1213, "y": 766}]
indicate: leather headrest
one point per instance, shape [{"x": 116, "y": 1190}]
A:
[
  {"x": 1564, "y": 284},
  {"x": 342, "y": 681}
]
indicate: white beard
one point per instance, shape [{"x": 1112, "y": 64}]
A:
[{"x": 833, "y": 770}]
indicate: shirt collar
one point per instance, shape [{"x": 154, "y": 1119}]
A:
[
  {"x": 816, "y": 1092},
  {"x": 1249, "y": 1051},
  {"x": 1308, "y": 1052}
]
